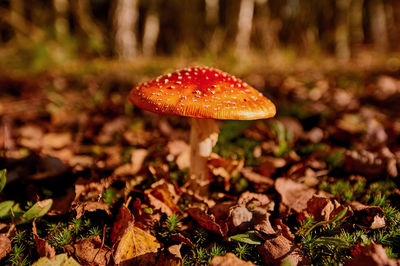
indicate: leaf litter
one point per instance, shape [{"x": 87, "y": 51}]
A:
[{"x": 102, "y": 184}]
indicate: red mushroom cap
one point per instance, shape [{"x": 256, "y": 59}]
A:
[{"x": 202, "y": 92}]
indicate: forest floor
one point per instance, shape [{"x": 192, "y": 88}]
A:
[{"x": 93, "y": 180}]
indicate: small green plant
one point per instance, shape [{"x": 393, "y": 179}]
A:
[
  {"x": 172, "y": 223},
  {"x": 169, "y": 227},
  {"x": 200, "y": 236},
  {"x": 19, "y": 252},
  {"x": 94, "y": 231},
  {"x": 110, "y": 196},
  {"x": 284, "y": 137},
  {"x": 242, "y": 251},
  {"x": 216, "y": 250},
  {"x": 335, "y": 159},
  {"x": 17, "y": 256}
]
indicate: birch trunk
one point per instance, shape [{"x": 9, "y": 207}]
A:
[
  {"x": 124, "y": 23},
  {"x": 245, "y": 22}
]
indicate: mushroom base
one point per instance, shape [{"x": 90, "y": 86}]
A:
[{"x": 203, "y": 137}]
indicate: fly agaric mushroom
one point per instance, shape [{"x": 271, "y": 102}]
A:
[{"x": 205, "y": 94}]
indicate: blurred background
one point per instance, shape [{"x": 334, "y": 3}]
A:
[{"x": 37, "y": 35}]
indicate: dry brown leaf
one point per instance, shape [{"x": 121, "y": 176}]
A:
[
  {"x": 177, "y": 147},
  {"x": 352, "y": 123},
  {"x": 43, "y": 248},
  {"x": 132, "y": 168},
  {"x": 5, "y": 245},
  {"x": 315, "y": 135},
  {"x": 138, "y": 137},
  {"x": 294, "y": 195},
  {"x": 263, "y": 225},
  {"x": 387, "y": 87},
  {"x": 136, "y": 246},
  {"x": 229, "y": 259},
  {"x": 284, "y": 229},
  {"x": 276, "y": 249},
  {"x": 224, "y": 168},
  {"x": 371, "y": 164},
  {"x": 368, "y": 216},
  {"x": 90, "y": 206},
  {"x": 92, "y": 251},
  {"x": 30, "y": 136},
  {"x": 324, "y": 209},
  {"x": 123, "y": 221},
  {"x": 240, "y": 216},
  {"x": 178, "y": 237},
  {"x": 170, "y": 257},
  {"x": 163, "y": 196},
  {"x": 208, "y": 221},
  {"x": 373, "y": 254},
  {"x": 269, "y": 165},
  {"x": 251, "y": 211},
  {"x": 253, "y": 200},
  {"x": 183, "y": 160},
  {"x": 256, "y": 178},
  {"x": 57, "y": 140}
]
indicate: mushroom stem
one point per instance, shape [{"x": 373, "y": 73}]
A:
[{"x": 203, "y": 137}]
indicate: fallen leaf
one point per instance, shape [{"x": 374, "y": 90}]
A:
[
  {"x": 57, "y": 140},
  {"x": 43, "y": 248},
  {"x": 177, "y": 147},
  {"x": 170, "y": 257},
  {"x": 371, "y": 164},
  {"x": 294, "y": 195},
  {"x": 253, "y": 200},
  {"x": 92, "y": 251},
  {"x": 163, "y": 196},
  {"x": 208, "y": 221},
  {"x": 5, "y": 245},
  {"x": 30, "y": 136},
  {"x": 373, "y": 254},
  {"x": 368, "y": 216},
  {"x": 132, "y": 168},
  {"x": 269, "y": 165},
  {"x": 251, "y": 212},
  {"x": 324, "y": 209},
  {"x": 90, "y": 206},
  {"x": 229, "y": 259},
  {"x": 241, "y": 216},
  {"x": 39, "y": 209},
  {"x": 122, "y": 222},
  {"x": 59, "y": 260},
  {"x": 276, "y": 249},
  {"x": 256, "y": 178},
  {"x": 178, "y": 237},
  {"x": 136, "y": 246}
]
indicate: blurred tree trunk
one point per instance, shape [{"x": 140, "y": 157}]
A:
[
  {"x": 17, "y": 10},
  {"x": 124, "y": 23},
  {"x": 342, "y": 47},
  {"x": 245, "y": 22},
  {"x": 61, "y": 18},
  {"x": 356, "y": 21},
  {"x": 82, "y": 12},
  {"x": 266, "y": 28},
  {"x": 151, "y": 30},
  {"x": 212, "y": 12},
  {"x": 215, "y": 33},
  {"x": 378, "y": 25}
]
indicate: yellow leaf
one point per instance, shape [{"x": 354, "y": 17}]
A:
[{"x": 134, "y": 243}]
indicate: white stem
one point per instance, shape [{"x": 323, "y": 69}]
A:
[{"x": 203, "y": 137}]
